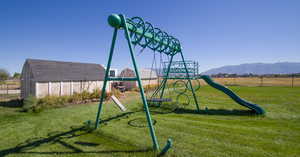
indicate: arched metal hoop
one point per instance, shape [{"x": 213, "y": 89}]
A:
[
  {"x": 160, "y": 41},
  {"x": 186, "y": 98},
  {"x": 179, "y": 87}
]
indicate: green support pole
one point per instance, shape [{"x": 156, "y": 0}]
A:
[
  {"x": 190, "y": 82},
  {"x": 148, "y": 116},
  {"x": 166, "y": 78},
  {"x": 158, "y": 88},
  {"x": 106, "y": 77}
]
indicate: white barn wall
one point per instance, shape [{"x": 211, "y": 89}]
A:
[
  {"x": 65, "y": 88},
  {"x": 147, "y": 82},
  {"x": 76, "y": 87},
  {"x": 55, "y": 88},
  {"x": 42, "y": 89}
]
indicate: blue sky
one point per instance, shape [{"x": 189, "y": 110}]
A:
[{"x": 212, "y": 32}]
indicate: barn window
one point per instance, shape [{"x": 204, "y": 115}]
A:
[{"x": 112, "y": 73}]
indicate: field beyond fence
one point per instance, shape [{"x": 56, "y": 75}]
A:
[{"x": 258, "y": 81}]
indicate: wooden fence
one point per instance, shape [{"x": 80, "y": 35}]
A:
[{"x": 9, "y": 92}]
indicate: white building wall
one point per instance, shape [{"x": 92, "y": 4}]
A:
[
  {"x": 66, "y": 90},
  {"x": 76, "y": 87},
  {"x": 55, "y": 88},
  {"x": 43, "y": 89},
  {"x": 147, "y": 82}
]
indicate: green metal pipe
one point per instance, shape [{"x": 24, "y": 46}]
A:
[
  {"x": 158, "y": 88},
  {"x": 106, "y": 77},
  {"x": 166, "y": 148},
  {"x": 183, "y": 78},
  {"x": 122, "y": 79},
  {"x": 259, "y": 110},
  {"x": 148, "y": 116},
  {"x": 166, "y": 78},
  {"x": 189, "y": 80}
]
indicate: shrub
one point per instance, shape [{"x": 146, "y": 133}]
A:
[
  {"x": 76, "y": 98},
  {"x": 36, "y": 105},
  {"x": 52, "y": 101},
  {"x": 147, "y": 88},
  {"x": 96, "y": 94},
  {"x": 31, "y": 104},
  {"x": 85, "y": 95},
  {"x": 136, "y": 89},
  {"x": 62, "y": 100},
  {"x": 116, "y": 93},
  {"x": 150, "y": 87},
  {"x": 47, "y": 101}
]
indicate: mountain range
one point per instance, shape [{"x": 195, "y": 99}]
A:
[{"x": 258, "y": 68}]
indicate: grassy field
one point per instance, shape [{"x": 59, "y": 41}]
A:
[
  {"x": 224, "y": 129},
  {"x": 257, "y": 81}
]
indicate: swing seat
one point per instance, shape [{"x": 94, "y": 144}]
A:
[{"x": 155, "y": 100}]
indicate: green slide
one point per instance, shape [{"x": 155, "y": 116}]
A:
[{"x": 232, "y": 95}]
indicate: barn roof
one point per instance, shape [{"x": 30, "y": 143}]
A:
[{"x": 46, "y": 70}]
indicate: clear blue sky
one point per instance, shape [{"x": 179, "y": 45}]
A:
[{"x": 213, "y": 32}]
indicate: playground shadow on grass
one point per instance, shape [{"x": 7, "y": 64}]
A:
[
  {"x": 61, "y": 138},
  {"x": 11, "y": 103},
  {"x": 222, "y": 112},
  {"x": 173, "y": 108}
]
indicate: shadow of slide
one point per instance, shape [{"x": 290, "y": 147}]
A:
[{"x": 222, "y": 112}]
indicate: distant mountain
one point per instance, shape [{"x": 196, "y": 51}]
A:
[{"x": 257, "y": 68}]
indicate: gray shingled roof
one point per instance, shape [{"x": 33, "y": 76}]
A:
[{"x": 45, "y": 70}]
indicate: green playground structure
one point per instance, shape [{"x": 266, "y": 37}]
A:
[
  {"x": 141, "y": 33},
  {"x": 257, "y": 109},
  {"x": 177, "y": 72}
]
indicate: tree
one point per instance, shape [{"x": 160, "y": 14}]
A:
[
  {"x": 16, "y": 75},
  {"x": 4, "y": 75}
]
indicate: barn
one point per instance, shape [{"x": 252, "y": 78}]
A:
[
  {"x": 148, "y": 77},
  {"x": 40, "y": 78}
]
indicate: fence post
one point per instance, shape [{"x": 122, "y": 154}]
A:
[
  {"x": 293, "y": 80},
  {"x": 1, "y": 92},
  {"x": 7, "y": 92},
  {"x": 261, "y": 80}
]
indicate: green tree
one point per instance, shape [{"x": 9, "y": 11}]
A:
[
  {"x": 4, "y": 74},
  {"x": 16, "y": 75}
]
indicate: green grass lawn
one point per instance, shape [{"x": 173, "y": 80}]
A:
[{"x": 225, "y": 129}]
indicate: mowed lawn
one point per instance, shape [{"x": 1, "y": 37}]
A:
[{"x": 223, "y": 128}]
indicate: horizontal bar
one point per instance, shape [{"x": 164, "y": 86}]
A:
[
  {"x": 122, "y": 79},
  {"x": 182, "y": 78}
]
